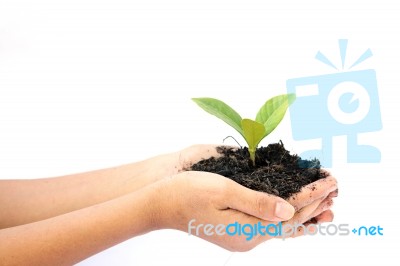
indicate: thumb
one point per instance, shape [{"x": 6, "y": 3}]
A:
[{"x": 258, "y": 204}]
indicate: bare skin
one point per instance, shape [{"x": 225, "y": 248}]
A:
[{"x": 63, "y": 220}]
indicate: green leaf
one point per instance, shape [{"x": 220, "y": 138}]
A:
[
  {"x": 273, "y": 111},
  {"x": 254, "y": 132},
  {"x": 222, "y": 111}
]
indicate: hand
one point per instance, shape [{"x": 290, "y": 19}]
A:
[
  {"x": 313, "y": 193},
  {"x": 166, "y": 165},
  {"x": 110, "y": 207},
  {"x": 193, "y": 154},
  {"x": 315, "y": 201},
  {"x": 213, "y": 199},
  {"x": 60, "y": 195}
]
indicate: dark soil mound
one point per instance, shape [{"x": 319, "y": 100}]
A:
[{"x": 276, "y": 172}]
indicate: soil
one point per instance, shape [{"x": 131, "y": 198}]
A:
[{"x": 276, "y": 171}]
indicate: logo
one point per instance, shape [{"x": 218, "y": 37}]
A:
[
  {"x": 344, "y": 103},
  {"x": 280, "y": 230}
]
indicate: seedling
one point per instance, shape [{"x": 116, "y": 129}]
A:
[{"x": 253, "y": 131}]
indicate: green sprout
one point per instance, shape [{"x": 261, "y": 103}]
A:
[{"x": 253, "y": 131}]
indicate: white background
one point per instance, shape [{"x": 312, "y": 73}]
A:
[{"x": 91, "y": 84}]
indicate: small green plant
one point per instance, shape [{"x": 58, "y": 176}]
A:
[{"x": 253, "y": 131}]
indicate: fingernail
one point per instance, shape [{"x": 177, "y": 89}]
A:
[{"x": 284, "y": 210}]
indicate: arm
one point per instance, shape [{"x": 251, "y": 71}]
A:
[
  {"x": 169, "y": 203},
  {"x": 25, "y": 201},
  {"x": 72, "y": 237}
]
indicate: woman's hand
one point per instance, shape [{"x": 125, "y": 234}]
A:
[
  {"x": 190, "y": 199},
  {"x": 82, "y": 214},
  {"x": 39, "y": 199}
]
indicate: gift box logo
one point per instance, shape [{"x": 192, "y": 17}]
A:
[{"x": 344, "y": 103}]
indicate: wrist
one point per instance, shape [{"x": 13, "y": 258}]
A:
[{"x": 167, "y": 212}]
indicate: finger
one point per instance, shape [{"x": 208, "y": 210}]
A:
[
  {"x": 292, "y": 230},
  {"x": 196, "y": 153},
  {"x": 326, "y": 204},
  {"x": 310, "y": 228},
  {"x": 333, "y": 194},
  {"x": 258, "y": 204},
  {"x": 304, "y": 229},
  {"x": 295, "y": 226},
  {"x": 324, "y": 217},
  {"x": 199, "y": 152},
  {"x": 316, "y": 190},
  {"x": 305, "y": 214}
]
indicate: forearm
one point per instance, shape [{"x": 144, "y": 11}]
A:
[
  {"x": 72, "y": 237},
  {"x": 25, "y": 201}
]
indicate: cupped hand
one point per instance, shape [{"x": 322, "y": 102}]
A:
[
  {"x": 196, "y": 202},
  {"x": 195, "y": 153},
  {"x": 314, "y": 202}
]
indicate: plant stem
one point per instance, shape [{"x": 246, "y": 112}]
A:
[{"x": 253, "y": 156}]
